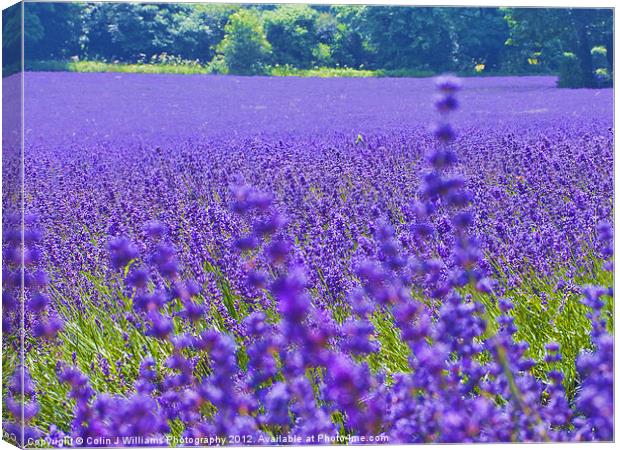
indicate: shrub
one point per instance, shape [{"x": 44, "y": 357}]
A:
[
  {"x": 570, "y": 72},
  {"x": 244, "y": 49}
]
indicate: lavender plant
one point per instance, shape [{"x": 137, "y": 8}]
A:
[{"x": 397, "y": 287}]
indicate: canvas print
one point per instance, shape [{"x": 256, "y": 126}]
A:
[{"x": 297, "y": 224}]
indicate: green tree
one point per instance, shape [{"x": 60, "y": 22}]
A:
[
  {"x": 326, "y": 27},
  {"x": 411, "y": 38},
  {"x": 480, "y": 35},
  {"x": 576, "y": 31},
  {"x": 231, "y": 37},
  {"x": 12, "y": 39},
  {"x": 244, "y": 49},
  {"x": 130, "y": 31},
  {"x": 349, "y": 47},
  {"x": 52, "y": 30},
  {"x": 198, "y": 29},
  {"x": 291, "y": 31}
]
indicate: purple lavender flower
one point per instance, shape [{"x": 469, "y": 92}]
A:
[
  {"x": 137, "y": 278},
  {"x": 48, "y": 328},
  {"x": 122, "y": 252},
  {"x": 444, "y": 132},
  {"x": 446, "y": 103},
  {"x": 448, "y": 84},
  {"x": 155, "y": 229},
  {"x": 401, "y": 232}
]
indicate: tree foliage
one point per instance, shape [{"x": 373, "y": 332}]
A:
[
  {"x": 552, "y": 32},
  {"x": 410, "y": 37},
  {"x": 481, "y": 35},
  {"x": 11, "y": 39},
  {"x": 52, "y": 30},
  {"x": 128, "y": 31},
  {"x": 200, "y": 28},
  {"x": 292, "y": 33},
  {"x": 491, "y": 40},
  {"x": 244, "y": 49}
]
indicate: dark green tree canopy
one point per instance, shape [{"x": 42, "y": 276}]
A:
[
  {"x": 53, "y": 30},
  {"x": 292, "y": 32},
  {"x": 551, "y": 32},
  {"x": 432, "y": 39}
]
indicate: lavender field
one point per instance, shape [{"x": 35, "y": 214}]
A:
[{"x": 252, "y": 260}]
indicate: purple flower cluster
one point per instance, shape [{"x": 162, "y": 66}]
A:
[
  {"x": 594, "y": 399},
  {"x": 102, "y": 417},
  {"x": 259, "y": 265},
  {"x": 21, "y": 403},
  {"x": 303, "y": 370},
  {"x": 26, "y": 318},
  {"x": 536, "y": 171}
]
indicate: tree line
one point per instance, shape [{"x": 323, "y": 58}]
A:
[{"x": 244, "y": 39}]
